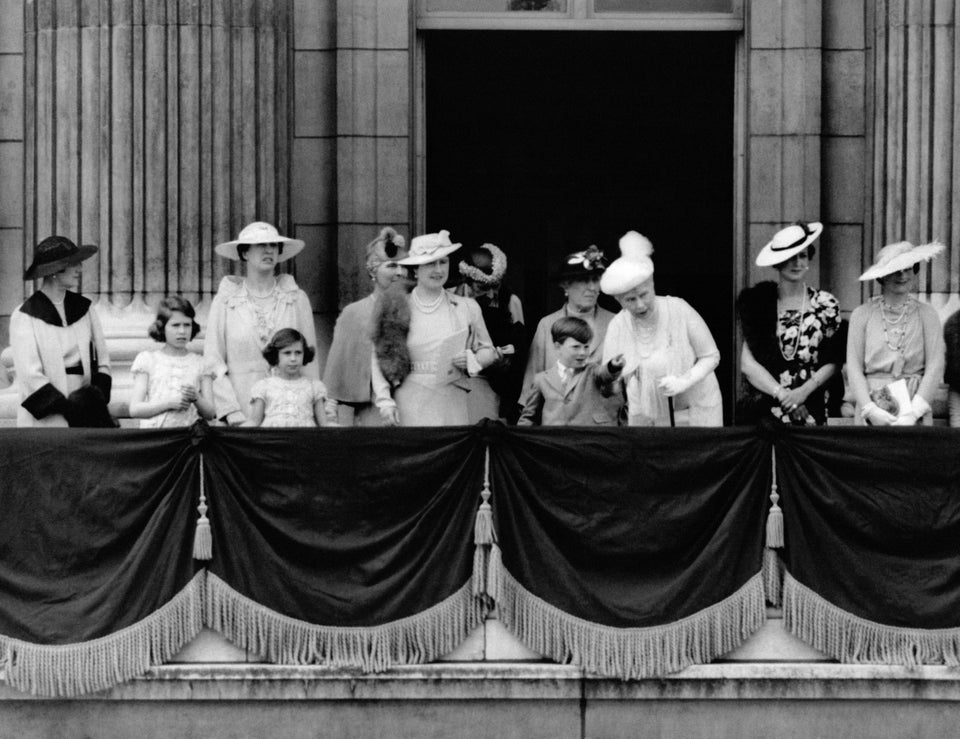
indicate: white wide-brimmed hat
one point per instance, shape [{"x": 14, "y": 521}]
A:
[
  {"x": 902, "y": 255},
  {"x": 632, "y": 268},
  {"x": 428, "y": 248},
  {"x": 259, "y": 232},
  {"x": 787, "y": 242}
]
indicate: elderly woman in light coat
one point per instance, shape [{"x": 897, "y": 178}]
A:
[
  {"x": 669, "y": 350},
  {"x": 347, "y": 375},
  {"x": 247, "y": 311},
  {"x": 57, "y": 342}
]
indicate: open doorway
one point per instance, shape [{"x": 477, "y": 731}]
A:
[{"x": 546, "y": 142}]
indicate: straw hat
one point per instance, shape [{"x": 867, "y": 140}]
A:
[
  {"x": 632, "y": 268},
  {"x": 53, "y": 254},
  {"x": 259, "y": 232},
  {"x": 787, "y": 242},
  {"x": 902, "y": 255},
  {"x": 429, "y": 248}
]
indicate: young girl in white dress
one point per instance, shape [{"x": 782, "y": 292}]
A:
[
  {"x": 172, "y": 386},
  {"x": 286, "y": 397}
]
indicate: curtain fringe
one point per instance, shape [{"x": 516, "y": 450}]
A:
[
  {"x": 849, "y": 638},
  {"x": 69, "y": 670},
  {"x": 631, "y": 653},
  {"x": 420, "y": 638}
]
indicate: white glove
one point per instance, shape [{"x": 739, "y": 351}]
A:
[
  {"x": 876, "y": 416},
  {"x": 919, "y": 406},
  {"x": 907, "y": 419},
  {"x": 390, "y": 415},
  {"x": 674, "y": 385}
]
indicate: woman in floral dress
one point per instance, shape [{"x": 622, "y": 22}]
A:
[{"x": 793, "y": 343}]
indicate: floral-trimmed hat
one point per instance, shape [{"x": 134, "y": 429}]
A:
[
  {"x": 787, "y": 242},
  {"x": 580, "y": 265},
  {"x": 901, "y": 255},
  {"x": 388, "y": 246},
  {"x": 498, "y": 267},
  {"x": 428, "y": 248},
  {"x": 632, "y": 268},
  {"x": 259, "y": 232}
]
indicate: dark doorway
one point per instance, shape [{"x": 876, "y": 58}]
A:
[{"x": 546, "y": 142}]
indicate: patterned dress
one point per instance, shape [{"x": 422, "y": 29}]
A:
[
  {"x": 791, "y": 345},
  {"x": 288, "y": 403}
]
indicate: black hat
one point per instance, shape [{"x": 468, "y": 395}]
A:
[
  {"x": 582, "y": 264},
  {"x": 53, "y": 254}
]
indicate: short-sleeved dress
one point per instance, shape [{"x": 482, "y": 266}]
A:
[
  {"x": 791, "y": 345},
  {"x": 288, "y": 403},
  {"x": 166, "y": 374}
]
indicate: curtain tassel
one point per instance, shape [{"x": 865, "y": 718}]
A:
[
  {"x": 483, "y": 534},
  {"x": 202, "y": 537},
  {"x": 775, "y": 516}
]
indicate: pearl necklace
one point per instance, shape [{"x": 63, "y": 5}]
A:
[
  {"x": 267, "y": 294},
  {"x": 425, "y": 307},
  {"x": 903, "y": 312},
  {"x": 901, "y": 334},
  {"x": 791, "y": 352}
]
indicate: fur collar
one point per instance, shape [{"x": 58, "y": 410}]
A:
[
  {"x": 39, "y": 306},
  {"x": 757, "y": 309}
]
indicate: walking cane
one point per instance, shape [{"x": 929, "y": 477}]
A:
[{"x": 670, "y": 406}]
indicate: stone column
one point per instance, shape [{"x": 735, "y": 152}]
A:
[
  {"x": 916, "y": 133},
  {"x": 155, "y": 129},
  {"x": 783, "y": 121},
  {"x": 374, "y": 162}
]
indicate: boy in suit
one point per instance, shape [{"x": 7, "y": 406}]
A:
[{"x": 575, "y": 391}]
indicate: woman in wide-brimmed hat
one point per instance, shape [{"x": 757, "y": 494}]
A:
[
  {"x": 247, "y": 311},
  {"x": 59, "y": 351},
  {"x": 793, "y": 340},
  {"x": 427, "y": 343},
  {"x": 894, "y": 336},
  {"x": 347, "y": 374},
  {"x": 670, "y": 355},
  {"x": 579, "y": 278}
]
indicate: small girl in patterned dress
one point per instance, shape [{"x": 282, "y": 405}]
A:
[
  {"x": 286, "y": 397},
  {"x": 172, "y": 386}
]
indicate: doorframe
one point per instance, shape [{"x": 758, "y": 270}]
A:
[{"x": 418, "y": 135}]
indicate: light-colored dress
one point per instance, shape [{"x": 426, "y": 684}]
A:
[
  {"x": 422, "y": 399},
  {"x": 166, "y": 374},
  {"x": 239, "y": 327},
  {"x": 288, "y": 403},
  {"x": 896, "y": 349},
  {"x": 680, "y": 339}
]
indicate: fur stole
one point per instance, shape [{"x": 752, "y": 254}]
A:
[
  {"x": 951, "y": 335},
  {"x": 757, "y": 310},
  {"x": 391, "y": 324}
]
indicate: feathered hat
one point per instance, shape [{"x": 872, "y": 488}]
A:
[{"x": 632, "y": 268}]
